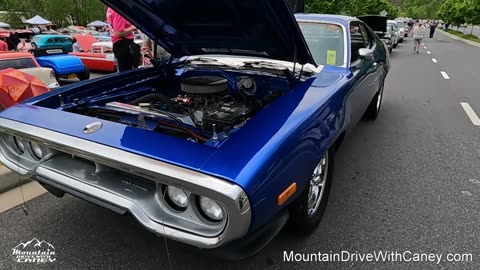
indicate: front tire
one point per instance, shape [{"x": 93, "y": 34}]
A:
[
  {"x": 85, "y": 75},
  {"x": 373, "y": 109},
  {"x": 307, "y": 211}
]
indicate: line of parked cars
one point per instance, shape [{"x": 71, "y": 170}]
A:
[{"x": 394, "y": 33}]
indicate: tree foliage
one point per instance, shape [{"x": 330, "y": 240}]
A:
[
  {"x": 458, "y": 12},
  {"x": 351, "y": 7},
  {"x": 60, "y": 12}
]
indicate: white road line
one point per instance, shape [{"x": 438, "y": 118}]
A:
[
  {"x": 423, "y": 44},
  {"x": 471, "y": 113},
  {"x": 445, "y": 75},
  {"x": 428, "y": 52},
  {"x": 434, "y": 60},
  {"x": 425, "y": 47}
]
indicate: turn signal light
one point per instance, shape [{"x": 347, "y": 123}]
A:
[{"x": 287, "y": 193}]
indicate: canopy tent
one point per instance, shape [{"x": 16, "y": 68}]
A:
[
  {"x": 4, "y": 25},
  {"x": 97, "y": 24},
  {"x": 37, "y": 20}
]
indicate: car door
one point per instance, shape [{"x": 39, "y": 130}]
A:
[
  {"x": 50, "y": 43},
  {"x": 365, "y": 81}
]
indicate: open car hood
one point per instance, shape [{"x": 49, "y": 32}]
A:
[
  {"x": 376, "y": 22},
  {"x": 265, "y": 28}
]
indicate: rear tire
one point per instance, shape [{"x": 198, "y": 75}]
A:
[
  {"x": 373, "y": 109},
  {"x": 85, "y": 75},
  {"x": 307, "y": 211}
]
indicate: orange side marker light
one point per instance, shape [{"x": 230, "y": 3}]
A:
[{"x": 287, "y": 193}]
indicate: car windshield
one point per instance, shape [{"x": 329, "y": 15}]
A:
[
  {"x": 17, "y": 63},
  {"x": 401, "y": 24},
  {"x": 389, "y": 28},
  {"x": 325, "y": 42}
]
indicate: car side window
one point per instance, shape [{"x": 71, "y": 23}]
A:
[
  {"x": 357, "y": 41},
  {"x": 50, "y": 41},
  {"x": 366, "y": 36}
]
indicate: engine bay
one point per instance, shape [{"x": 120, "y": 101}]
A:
[{"x": 203, "y": 107}]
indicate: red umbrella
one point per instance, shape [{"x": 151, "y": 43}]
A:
[{"x": 17, "y": 86}]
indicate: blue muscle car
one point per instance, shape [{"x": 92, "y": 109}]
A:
[
  {"x": 64, "y": 65},
  {"x": 223, "y": 142}
]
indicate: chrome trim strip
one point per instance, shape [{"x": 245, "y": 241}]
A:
[{"x": 239, "y": 213}]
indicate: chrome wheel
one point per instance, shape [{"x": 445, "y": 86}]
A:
[{"x": 317, "y": 185}]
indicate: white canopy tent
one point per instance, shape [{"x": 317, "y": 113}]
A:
[
  {"x": 37, "y": 20},
  {"x": 4, "y": 25},
  {"x": 97, "y": 24}
]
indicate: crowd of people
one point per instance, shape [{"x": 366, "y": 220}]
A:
[{"x": 9, "y": 43}]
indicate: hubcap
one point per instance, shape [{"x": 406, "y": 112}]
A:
[{"x": 317, "y": 185}]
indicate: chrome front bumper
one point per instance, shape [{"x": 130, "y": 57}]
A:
[{"x": 104, "y": 175}]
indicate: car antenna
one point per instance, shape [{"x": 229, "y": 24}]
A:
[
  {"x": 24, "y": 204},
  {"x": 294, "y": 64}
]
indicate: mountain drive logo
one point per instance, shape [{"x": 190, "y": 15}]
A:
[{"x": 34, "y": 251}]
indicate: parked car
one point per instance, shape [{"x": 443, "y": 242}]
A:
[
  {"x": 103, "y": 37},
  {"x": 65, "y": 66},
  {"x": 380, "y": 27},
  {"x": 392, "y": 29},
  {"x": 402, "y": 31},
  {"x": 223, "y": 142},
  {"x": 52, "y": 41},
  {"x": 27, "y": 63},
  {"x": 100, "y": 56}
]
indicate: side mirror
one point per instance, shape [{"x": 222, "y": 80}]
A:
[{"x": 365, "y": 53}]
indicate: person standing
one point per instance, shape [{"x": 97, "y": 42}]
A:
[
  {"x": 76, "y": 48},
  {"x": 124, "y": 48},
  {"x": 418, "y": 34},
  {"x": 433, "y": 26},
  {"x": 3, "y": 44}
]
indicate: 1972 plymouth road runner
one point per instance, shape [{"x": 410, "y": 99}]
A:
[{"x": 222, "y": 143}]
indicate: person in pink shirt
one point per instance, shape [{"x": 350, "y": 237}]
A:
[
  {"x": 3, "y": 45},
  {"x": 125, "y": 50}
]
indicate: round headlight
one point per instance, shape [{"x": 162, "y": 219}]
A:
[
  {"x": 178, "y": 197},
  {"x": 19, "y": 144},
  {"x": 211, "y": 209},
  {"x": 37, "y": 150}
]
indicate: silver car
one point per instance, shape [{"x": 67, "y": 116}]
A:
[{"x": 402, "y": 31}]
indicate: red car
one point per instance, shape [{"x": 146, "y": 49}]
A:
[{"x": 100, "y": 56}]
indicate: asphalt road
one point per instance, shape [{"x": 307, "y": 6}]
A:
[{"x": 409, "y": 182}]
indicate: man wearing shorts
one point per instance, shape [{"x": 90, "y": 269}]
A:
[{"x": 418, "y": 33}]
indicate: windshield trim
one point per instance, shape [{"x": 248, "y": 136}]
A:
[{"x": 345, "y": 44}]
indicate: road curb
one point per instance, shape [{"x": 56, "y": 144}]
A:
[
  {"x": 473, "y": 43},
  {"x": 9, "y": 179}
]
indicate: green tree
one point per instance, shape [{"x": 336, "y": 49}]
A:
[
  {"x": 472, "y": 12},
  {"x": 453, "y": 11}
]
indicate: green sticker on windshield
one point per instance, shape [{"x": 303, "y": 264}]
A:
[{"x": 331, "y": 57}]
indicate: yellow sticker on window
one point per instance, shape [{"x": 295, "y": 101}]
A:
[{"x": 331, "y": 57}]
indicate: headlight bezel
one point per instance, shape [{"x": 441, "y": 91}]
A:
[
  {"x": 171, "y": 202},
  {"x": 18, "y": 144},
  {"x": 207, "y": 216}
]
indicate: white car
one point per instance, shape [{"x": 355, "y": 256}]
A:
[
  {"x": 394, "y": 32},
  {"x": 402, "y": 31},
  {"x": 26, "y": 63}
]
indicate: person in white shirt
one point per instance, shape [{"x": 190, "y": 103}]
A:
[{"x": 418, "y": 34}]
